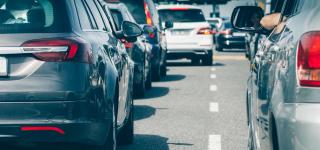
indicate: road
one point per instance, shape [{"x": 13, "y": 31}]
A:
[{"x": 193, "y": 108}]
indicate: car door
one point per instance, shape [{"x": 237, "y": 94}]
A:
[{"x": 123, "y": 64}]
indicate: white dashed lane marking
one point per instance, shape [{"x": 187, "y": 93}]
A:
[
  {"x": 214, "y": 142},
  {"x": 213, "y": 88},
  {"x": 213, "y": 69},
  {"x": 213, "y": 76},
  {"x": 214, "y": 107}
]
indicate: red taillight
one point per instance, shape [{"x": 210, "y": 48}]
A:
[
  {"x": 128, "y": 45},
  {"x": 58, "y": 50},
  {"x": 205, "y": 31},
  {"x": 179, "y": 8},
  {"x": 43, "y": 128},
  {"x": 308, "y": 60},
  {"x": 148, "y": 14},
  {"x": 226, "y": 32}
]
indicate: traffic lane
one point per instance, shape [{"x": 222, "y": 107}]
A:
[{"x": 176, "y": 113}]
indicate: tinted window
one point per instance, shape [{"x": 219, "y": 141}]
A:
[
  {"x": 104, "y": 17},
  {"x": 191, "y": 15},
  {"x": 27, "y": 16},
  {"x": 136, "y": 7},
  {"x": 227, "y": 25},
  {"x": 96, "y": 14},
  {"x": 83, "y": 15},
  {"x": 117, "y": 17}
]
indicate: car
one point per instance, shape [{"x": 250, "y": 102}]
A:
[
  {"x": 146, "y": 14},
  {"x": 191, "y": 37},
  {"x": 140, "y": 51},
  {"x": 282, "y": 115},
  {"x": 64, "y": 77},
  {"x": 215, "y": 23},
  {"x": 228, "y": 38}
]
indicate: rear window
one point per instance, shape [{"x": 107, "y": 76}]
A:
[
  {"x": 136, "y": 8},
  {"x": 190, "y": 15},
  {"x": 32, "y": 16}
]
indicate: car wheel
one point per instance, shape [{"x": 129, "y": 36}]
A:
[
  {"x": 140, "y": 90},
  {"x": 126, "y": 134},
  {"x": 208, "y": 60},
  {"x": 164, "y": 70},
  {"x": 250, "y": 140},
  {"x": 156, "y": 73},
  {"x": 111, "y": 141},
  {"x": 148, "y": 81}
]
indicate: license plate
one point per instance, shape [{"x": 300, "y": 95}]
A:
[
  {"x": 3, "y": 66},
  {"x": 239, "y": 34}
]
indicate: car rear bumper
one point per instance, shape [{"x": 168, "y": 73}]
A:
[
  {"x": 177, "y": 54},
  {"x": 231, "y": 42},
  {"x": 55, "y": 121},
  {"x": 298, "y": 126}
]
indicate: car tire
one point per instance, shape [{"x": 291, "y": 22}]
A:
[
  {"x": 163, "y": 70},
  {"x": 219, "y": 49},
  {"x": 207, "y": 60},
  {"x": 149, "y": 81},
  {"x": 140, "y": 90},
  {"x": 156, "y": 73},
  {"x": 111, "y": 140},
  {"x": 250, "y": 142},
  {"x": 126, "y": 134}
]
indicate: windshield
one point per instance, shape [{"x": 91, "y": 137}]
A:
[
  {"x": 29, "y": 16},
  {"x": 191, "y": 15}
]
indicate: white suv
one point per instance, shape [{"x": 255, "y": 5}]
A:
[{"x": 191, "y": 36}]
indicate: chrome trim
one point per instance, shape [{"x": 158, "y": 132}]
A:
[{"x": 28, "y": 50}]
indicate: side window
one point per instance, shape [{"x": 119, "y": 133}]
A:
[
  {"x": 110, "y": 18},
  {"x": 117, "y": 16},
  {"x": 84, "y": 17},
  {"x": 104, "y": 17},
  {"x": 96, "y": 14}
]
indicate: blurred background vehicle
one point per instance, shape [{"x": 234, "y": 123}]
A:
[
  {"x": 64, "y": 70},
  {"x": 191, "y": 36},
  {"x": 139, "y": 51},
  {"x": 229, "y": 38},
  {"x": 215, "y": 23},
  {"x": 145, "y": 13}
]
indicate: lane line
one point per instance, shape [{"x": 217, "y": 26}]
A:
[
  {"x": 214, "y": 142},
  {"x": 213, "y": 69},
  {"x": 213, "y": 88},
  {"x": 213, "y": 76},
  {"x": 214, "y": 107}
]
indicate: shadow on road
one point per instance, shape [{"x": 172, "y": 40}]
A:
[
  {"x": 173, "y": 77},
  {"x": 143, "y": 112},
  {"x": 147, "y": 142},
  {"x": 155, "y": 92}
]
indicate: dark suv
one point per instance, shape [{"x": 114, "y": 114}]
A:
[
  {"x": 63, "y": 74},
  {"x": 145, "y": 13}
]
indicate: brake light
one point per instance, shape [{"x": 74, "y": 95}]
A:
[
  {"x": 128, "y": 45},
  {"x": 205, "y": 31},
  {"x": 43, "y": 128},
  {"x": 179, "y": 8},
  {"x": 58, "y": 50},
  {"x": 148, "y": 14},
  {"x": 226, "y": 32},
  {"x": 308, "y": 60}
]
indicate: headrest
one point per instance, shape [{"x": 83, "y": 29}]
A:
[
  {"x": 36, "y": 16},
  {"x": 19, "y": 4}
]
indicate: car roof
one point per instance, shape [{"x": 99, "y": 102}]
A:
[
  {"x": 160, "y": 7},
  {"x": 115, "y": 5}
]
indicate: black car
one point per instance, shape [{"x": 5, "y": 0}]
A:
[
  {"x": 228, "y": 38},
  {"x": 145, "y": 13},
  {"x": 64, "y": 74},
  {"x": 140, "y": 51}
]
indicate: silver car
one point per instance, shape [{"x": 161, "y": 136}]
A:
[{"x": 284, "y": 87}]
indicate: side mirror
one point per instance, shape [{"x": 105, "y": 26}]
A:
[
  {"x": 147, "y": 29},
  {"x": 130, "y": 29},
  {"x": 247, "y": 18},
  {"x": 168, "y": 24}
]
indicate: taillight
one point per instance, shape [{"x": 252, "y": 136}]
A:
[
  {"x": 148, "y": 14},
  {"x": 226, "y": 32},
  {"x": 58, "y": 50},
  {"x": 205, "y": 31},
  {"x": 308, "y": 60},
  {"x": 128, "y": 45}
]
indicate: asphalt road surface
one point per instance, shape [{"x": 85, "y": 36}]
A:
[{"x": 193, "y": 108}]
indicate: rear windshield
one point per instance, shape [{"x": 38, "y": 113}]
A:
[
  {"x": 191, "y": 15},
  {"x": 32, "y": 16},
  {"x": 136, "y": 8}
]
